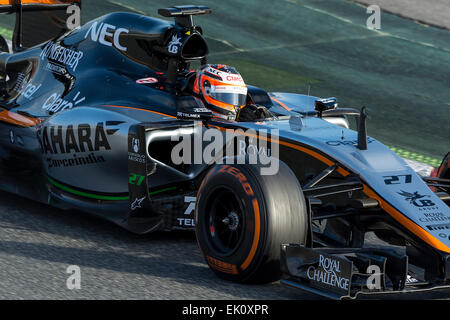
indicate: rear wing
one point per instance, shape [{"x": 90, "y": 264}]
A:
[{"x": 38, "y": 21}]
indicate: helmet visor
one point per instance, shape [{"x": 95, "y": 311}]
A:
[{"x": 234, "y": 95}]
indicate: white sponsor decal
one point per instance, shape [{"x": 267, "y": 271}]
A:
[
  {"x": 106, "y": 34},
  {"x": 410, "y": 279},
  {"x": 55, "y": 103},
  {"x": 56, "y": 68},
  {"x": 30, "y": 89},
  {"x": 137, "y": 203},
  {"x": 235, "y": 79},
  {"x": 200, "y": 110},
  {"x": 136, "y": 157},
  {"x": 213, "y": 71},
  {"x": 136, "y": 144},
  {"x": 182, "y": 222},
  {"x": 228, "y": 89},
  {"x": 327, "y": 273},
  {"x": 174, "y": 44},
  {"x": 64, "y": 57},
  {"x": 190, "y": 209},
  {"x": 147, "y": 81}
]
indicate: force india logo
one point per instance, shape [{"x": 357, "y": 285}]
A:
[
  {"x": 417, "y": 199},
  {"x": 328, "y": 273},
  {"x": 174, "y": 44}
]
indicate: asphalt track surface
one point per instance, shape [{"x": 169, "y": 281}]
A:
[{"x": 38, "y": 243}]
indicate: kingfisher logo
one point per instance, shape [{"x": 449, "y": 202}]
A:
[{"x": 63, "y": 56}]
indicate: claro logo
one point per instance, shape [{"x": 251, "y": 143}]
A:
[
  {"x": 107, "y": 35},
  {"x": 234, "y": 78}
]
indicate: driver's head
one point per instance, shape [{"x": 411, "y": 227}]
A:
[{"x": 222, "y": 90}]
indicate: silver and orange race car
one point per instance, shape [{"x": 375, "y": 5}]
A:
[{"x": 89, "y": 119}]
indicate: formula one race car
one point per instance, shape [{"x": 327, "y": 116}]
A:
[{"x": 90, "y": 119}]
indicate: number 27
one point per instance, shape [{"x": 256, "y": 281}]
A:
[{"x": 397, "y": 180}]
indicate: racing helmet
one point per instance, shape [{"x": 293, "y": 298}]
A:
[{"x": 222, "y": 90}]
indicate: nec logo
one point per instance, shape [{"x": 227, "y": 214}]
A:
[{"x": 106, "y": 34}]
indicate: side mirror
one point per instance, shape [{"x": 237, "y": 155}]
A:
[
  {"x": 324, "y": 105},
  {"x": 191, "y": 108}
]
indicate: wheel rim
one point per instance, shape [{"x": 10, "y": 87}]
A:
[{"x": 225, "y": 221}]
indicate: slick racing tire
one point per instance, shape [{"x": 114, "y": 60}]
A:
[{"x": 242, "y": 218}]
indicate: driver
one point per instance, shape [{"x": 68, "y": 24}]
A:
[{"x": 223, "y": 91}]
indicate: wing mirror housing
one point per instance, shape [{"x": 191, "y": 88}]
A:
[{"x": 325, "y": 104}]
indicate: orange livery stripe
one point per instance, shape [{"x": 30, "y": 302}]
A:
[{"x": 17, "y": 119}]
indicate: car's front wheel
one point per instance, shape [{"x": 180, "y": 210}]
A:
[{"x": 242, "y": 218}]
